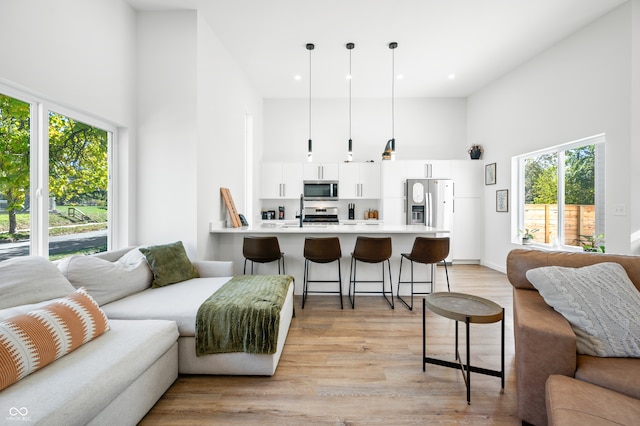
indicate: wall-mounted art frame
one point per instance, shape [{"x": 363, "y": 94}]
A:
[
  {"x": 502, "y": 200},
  {"x": 490, "y": 174}
]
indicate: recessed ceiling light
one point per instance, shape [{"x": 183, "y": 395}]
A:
[
  {"x": 400, "y": 77},
  {"x": 451, "y": 76},
  {"x": 297, "y": 77},
  {"x": 348, "y": 77}
]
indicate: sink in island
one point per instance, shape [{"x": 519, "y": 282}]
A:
[{"x": 291, "y": 237}]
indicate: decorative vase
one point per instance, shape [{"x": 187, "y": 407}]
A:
[{"x": 475, "y": 154}]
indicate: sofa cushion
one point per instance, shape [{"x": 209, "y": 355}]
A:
[
  {"x": 179, "y": 303},
  {"x": 29, "y": 342},
  {"x": 573, "y": 402},
  {"x": 107, "y": 281},
  {"x": 599, "y": 301},
  {"x": 169, "y": 264},
  {"x": 30, "y": 279},
  {"x": 618, "y": 374}
]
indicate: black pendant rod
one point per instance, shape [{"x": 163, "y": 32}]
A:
[
  {"x": 310, "y": 47},
  {"x": 393, "y": 46},
  {"x": 350, "y": 46}
]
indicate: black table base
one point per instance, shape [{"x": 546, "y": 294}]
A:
[{"x": 468, "y": 368}]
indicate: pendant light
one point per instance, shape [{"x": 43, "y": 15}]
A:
[
  {"x": 350, "y": 46},
  {"x": 392, "y": 142},
  {"x": 310, "y": 47}
]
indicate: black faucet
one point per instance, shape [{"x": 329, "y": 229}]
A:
[{"x": 301, "y": 208}]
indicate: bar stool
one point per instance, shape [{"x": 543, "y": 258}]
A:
[
  {"x": 321, "y": 250},
  {"x": 371, "y": 250},
  {"x": 427, "y": 250},
  {"x": 262, "y": 250}
]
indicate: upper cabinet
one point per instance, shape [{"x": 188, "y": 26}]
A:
[
  {"x": 281, "y": 180},
  {"x": 437, "y": 169},
  {"x": 395, "y": 174},
  {"x": 359, "y": 180},
  {"x": 321, "y": 171}
]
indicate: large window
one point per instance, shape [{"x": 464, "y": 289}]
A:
[
  {"x": 54, "y": 184},
  {"x": 561, "y": 194}
]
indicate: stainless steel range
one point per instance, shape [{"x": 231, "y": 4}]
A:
[{"x": 321, "y": 215}]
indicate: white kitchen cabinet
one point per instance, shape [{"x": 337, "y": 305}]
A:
[
  {"x": 359, "y": 180},
  {"x": 466, "y": 232},
  {"x": 440, "y": 169},
  {"x": 394, "y": 175},
  {"x": 393, "y": 211},
  {"x": 321, "y": 171},
  {"x": 468, "y": 178},
  {"x": 281, "y": 181}
]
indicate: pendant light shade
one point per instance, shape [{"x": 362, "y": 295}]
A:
[
  {"x": 392, "y": 142},
  {"x": 350, "y": 47},
  {"x": 310, "y": 47}
]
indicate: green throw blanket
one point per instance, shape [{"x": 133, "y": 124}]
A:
[{"x": 242, "y": 316}]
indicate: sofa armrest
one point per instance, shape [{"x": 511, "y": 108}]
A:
[
  {"x": 545, "y": 344},
  {"x": 214, "y": 268}
]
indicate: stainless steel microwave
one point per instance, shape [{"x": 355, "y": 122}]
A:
[{"x": 315, "y": 190}]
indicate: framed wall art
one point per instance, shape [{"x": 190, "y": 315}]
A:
[
  {"x": 502, "y": 200},
  {"x": 490, "y": 174}
]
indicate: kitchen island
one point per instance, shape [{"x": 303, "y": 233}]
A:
[{"x": 291, "y": 238}]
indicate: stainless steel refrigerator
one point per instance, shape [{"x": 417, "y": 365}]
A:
[{"x": 430, "y": 202}]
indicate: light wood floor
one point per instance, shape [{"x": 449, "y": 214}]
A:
[{"x": 363, "y": 366}]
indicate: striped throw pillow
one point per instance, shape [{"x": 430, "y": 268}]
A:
[{"x": 29, "y": 342}]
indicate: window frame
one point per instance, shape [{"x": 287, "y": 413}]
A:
[
  {"x": 518, "y": 185},
  {"x": 39, "y": 156}
]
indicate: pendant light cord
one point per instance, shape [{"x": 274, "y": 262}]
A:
[
  {"x": 310, "y": 47},
  {"x": 350, "y": 80},
  {"x": 393, "y": 85},
  {"x": 309, "y": 92}
]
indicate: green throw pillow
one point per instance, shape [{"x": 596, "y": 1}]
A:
[{"x": 169, "y": 264}]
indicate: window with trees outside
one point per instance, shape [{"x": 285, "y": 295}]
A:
[
  {"x": 561, "y": 195},
  {"x": 54, "y": 184}
]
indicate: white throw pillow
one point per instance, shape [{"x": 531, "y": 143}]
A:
[
  {"x": 599, "y": 301},
  {"x": 30, "y": 279},
  {"x": 108, "y": 281}
]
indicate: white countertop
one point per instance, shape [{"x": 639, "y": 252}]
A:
[{"x": 344, "y": 227}]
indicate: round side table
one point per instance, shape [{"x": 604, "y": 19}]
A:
[{"x": 469, "y": 309}]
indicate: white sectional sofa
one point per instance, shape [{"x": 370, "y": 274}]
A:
[{"x": 118, "y": 376}]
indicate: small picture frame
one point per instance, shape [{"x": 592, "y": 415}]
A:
[
  {"x": 490, "y": 174},
  {"x": 502, "y": 200}
]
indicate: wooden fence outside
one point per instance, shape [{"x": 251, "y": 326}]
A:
[{"x": 579, "y": 220}]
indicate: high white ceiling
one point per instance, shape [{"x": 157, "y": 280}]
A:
[{"x": 477, "y": 40}]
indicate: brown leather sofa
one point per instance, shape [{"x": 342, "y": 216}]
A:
[{"x": 545, "y": 344}]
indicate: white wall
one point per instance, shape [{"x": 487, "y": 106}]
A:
[
  {"x": 578, "y": 88},
  {"x": 80, "y": 55},
  {"x": 167, "y": 128},
  {"x": 192, "y": 100},
  {"x": 224, "y": 96},
  {"x": 424, "y": 129}
]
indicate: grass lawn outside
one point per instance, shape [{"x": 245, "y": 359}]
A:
[{"x": 66, "y": 220}]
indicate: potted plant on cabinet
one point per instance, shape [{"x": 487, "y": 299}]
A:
[
  {"x": 527, "y": 235},
  {"x": 475, "y": 151}
]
